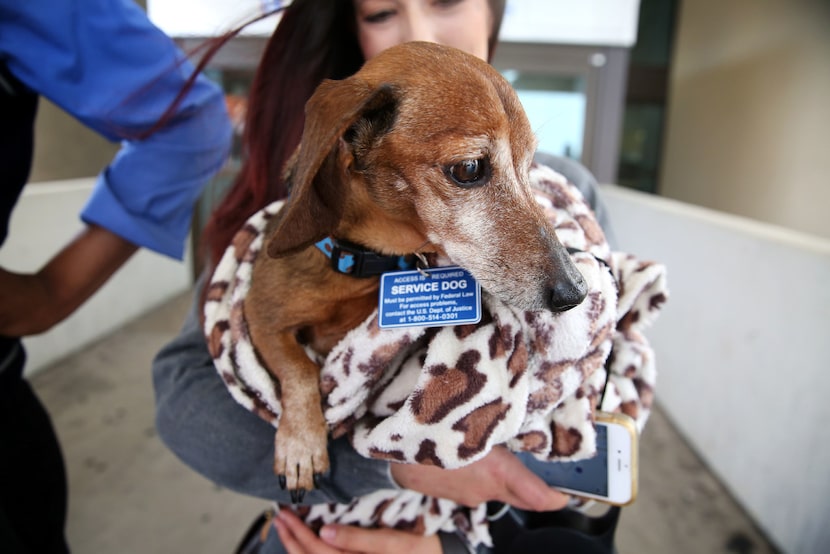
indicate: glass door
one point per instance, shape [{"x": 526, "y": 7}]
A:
[
  {"x": 573, "y": 96},
  {"x": 556, "y": 106}
]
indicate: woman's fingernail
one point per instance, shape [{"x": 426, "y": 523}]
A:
[{"x": 327, "y": 533}]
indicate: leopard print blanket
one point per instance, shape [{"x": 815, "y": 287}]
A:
[{"x": 447, "y": 395}]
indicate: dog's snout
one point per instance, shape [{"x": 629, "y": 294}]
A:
[
  {"x": 568, "y": 292},
  {"x": 566, "y": 287}
]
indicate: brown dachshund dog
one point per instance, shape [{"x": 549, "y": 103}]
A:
[{"x": 425, "y": 150}]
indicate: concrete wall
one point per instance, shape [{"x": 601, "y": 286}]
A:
[
  {"x": 43, "y": 221},
  {"x": 742, "y": 352},
  {"x": 748, "y": 114}
]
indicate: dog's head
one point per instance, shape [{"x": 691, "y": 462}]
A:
[{"x": 428, "y": 149}]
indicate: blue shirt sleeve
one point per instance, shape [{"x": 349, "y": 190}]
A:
[{"x": 106, "y": 64}]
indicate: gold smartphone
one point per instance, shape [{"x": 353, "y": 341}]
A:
[{"x": 610, "y": 476}]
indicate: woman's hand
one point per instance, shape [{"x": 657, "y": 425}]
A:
[
  {"x": 297, "y": 538},
  {"x": 498, "y": 476}
]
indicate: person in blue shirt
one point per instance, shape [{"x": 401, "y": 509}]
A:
[{"x": 104, "y": 63}]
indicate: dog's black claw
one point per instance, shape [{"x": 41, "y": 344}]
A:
[
  {"x": 297, "y": 496},
  {"x": 318, "y": 479},
  {"x": 282, "y": 481}
]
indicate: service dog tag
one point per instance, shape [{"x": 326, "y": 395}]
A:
[{"x": 429, "y": 298}]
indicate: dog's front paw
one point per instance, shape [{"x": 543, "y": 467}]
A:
[{"x": 301, "y": 455}]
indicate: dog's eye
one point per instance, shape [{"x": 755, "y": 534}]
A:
[{"x": 469, "y": 173}]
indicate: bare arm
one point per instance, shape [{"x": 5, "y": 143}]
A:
[
  {"x": 33, "y": 303},
  {"x": 500, "y": 475}
]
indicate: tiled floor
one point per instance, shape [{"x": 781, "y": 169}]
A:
[{"x": 128, "y": 494}]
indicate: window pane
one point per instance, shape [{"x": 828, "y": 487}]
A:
[{"x": 555, "y": 106}]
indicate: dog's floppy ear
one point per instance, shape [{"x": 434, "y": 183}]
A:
[{"x": 317, "y": 197}]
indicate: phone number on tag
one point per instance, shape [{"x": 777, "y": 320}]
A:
[{"x": 434, "y": 317}]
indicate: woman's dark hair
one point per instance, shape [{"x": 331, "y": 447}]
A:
[
  {"x": 315, "y": 40},
  {"x": 497, "y": 11}
]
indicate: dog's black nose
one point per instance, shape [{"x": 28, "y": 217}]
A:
[{"x": 568, "y": 293}]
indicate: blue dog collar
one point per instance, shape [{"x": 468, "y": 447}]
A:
[{"x": 354, "y": 260}]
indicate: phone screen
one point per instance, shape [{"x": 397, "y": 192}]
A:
[{"x": 590, "y": 475}]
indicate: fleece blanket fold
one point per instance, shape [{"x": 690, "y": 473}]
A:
[{"x": 447, "y": 395}]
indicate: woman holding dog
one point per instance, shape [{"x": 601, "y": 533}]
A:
[{"x": 196, "y": 416}]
